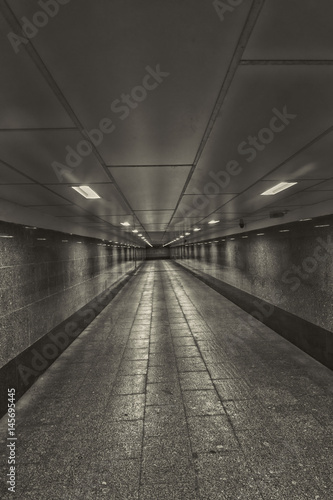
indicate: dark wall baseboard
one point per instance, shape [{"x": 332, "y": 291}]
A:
[
  {"x": 310, "y": 338},
  {"x": 22, "y": 371}
]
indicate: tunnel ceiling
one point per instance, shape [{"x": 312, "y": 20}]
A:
[{"x": 174, "y": 112}]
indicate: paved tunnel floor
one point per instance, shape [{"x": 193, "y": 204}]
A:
[{"x": 171, "y": 394}]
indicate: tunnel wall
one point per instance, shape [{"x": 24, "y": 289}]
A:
[
  {"x": 46, "y": 276},
  {"x": 279, "y": 278}
]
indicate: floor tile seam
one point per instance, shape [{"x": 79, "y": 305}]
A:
[
  {"x": 194, "y": 466},
  {"x": 218, "y": 396},
  {"x": 110, "y": 395},
  {"x": 140, "y": 489},
  {"x": 226, "y": 413},
  {"x": 213, "y": 343},
  {"x": 121, "y": 361}
]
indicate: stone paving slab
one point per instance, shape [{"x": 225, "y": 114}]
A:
[{"x": 159, "y": 399}]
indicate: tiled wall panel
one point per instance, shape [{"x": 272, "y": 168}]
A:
[{"x": 45, "y": 276}]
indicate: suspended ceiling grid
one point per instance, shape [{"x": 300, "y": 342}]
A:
[{"x": 223, "y": 80}]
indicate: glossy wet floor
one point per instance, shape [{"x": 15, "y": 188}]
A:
[{"x": 171, "y": 393}]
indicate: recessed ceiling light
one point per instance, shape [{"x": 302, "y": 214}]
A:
[
  {"x": 213, "y": 221},
  {"x": 135, "y": 231},
  {"x": 187, "y": 234},
  {"x": 244, "y": 236},
  {"x": 125, "y": 223},
  {"x": 181, "y": 236},
  {"x": 278, "y": 188},
  {"x": 86, "y": 191},
  {"x": 197, "y": 229},
  {"x": 140, "y": 234}
]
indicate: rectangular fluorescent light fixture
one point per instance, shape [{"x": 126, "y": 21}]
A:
[
  {"x": 323, "y": 225},
  {"x": 6, "y": 236},
  {"x": 284, "y": 230},
  {"x": 260, "y": 234},
  {"x": 303, "y": 220},
  {"x": 197, "y": 229},
  {"x": 125, "y": 223},
  {"x": 213, "y": 221},
  {"x": 135, "y": 231},
  {"x": 278, "y": 188},
  {"x": 86, "y": 191}
]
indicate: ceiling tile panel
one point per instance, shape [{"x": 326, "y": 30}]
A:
[
  {"x": 308, "y": 198},
  {"x": 62, "y": 210},
  {"x": 84, "y": 220},
  {"x": 323, "y": 186},
  {"x": 30, "y": 194},
  {"x": 195, "y": 205},
  {"x": 251, "y": 201},
  {"x": 34, "y": 152},
  {"x": 117, "y": 219},
  {"x": 9, "y": 175},
  {"x": 104, "y": 52},
  {"x": 109, "y": 204},
  {"x": 155, "y": 227},
  {"x": 259, "y": 95},
  {"x": 154, "y": 217},
  {"x": 313, "y": 162},
  {"x": 26, "y": 100},
  {"x": 297, "y": 29},
  {"x": 151, "y": 188}
]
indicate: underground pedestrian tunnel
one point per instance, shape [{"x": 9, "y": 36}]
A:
[{"x": 166, "y": 215}]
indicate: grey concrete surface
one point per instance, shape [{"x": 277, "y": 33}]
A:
[{"x": 170, "y": 394}]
